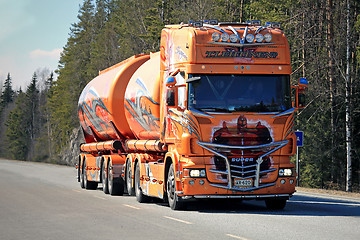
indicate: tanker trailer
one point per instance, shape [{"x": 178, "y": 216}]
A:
[{"x": 208, "y": 116}]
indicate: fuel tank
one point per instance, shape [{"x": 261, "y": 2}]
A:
[{"x": 123, "y": 101}]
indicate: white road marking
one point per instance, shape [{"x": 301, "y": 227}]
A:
[
  {"x": 130, "y": 206},
  {"x": 237, "y": 237},
  {"x": 178, "y": 220},
  {"x": 331, "y": 203},
  {"x": 99, "y": 197}
]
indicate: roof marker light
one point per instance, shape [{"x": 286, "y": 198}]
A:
[
  {"x": 213, "y": 21},
  {"x": 256, "y": 22},
  {"x": 198, "y": 24},
  {"x": 275, "y": 25}
]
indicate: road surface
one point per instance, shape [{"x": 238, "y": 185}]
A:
[{"x": 43, "y": 201}]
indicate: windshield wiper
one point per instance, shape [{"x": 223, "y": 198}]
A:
[{"x": 212, "y": 109}]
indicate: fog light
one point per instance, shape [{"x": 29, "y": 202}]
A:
[
  {"x": 233, "y": 38},
  {"x": 225, "y": 37},
  {"x": 268, "y": 37},
  {"x": 250, "y": 38},
  {"x": 191, "y": 182},
  {"x": 259, "y": 38},
  {"x": 215, "y": 36},
  {"x": 202, "y": 182},
  {"x": 282, "y": 181},
  {"x": 285, "y": 172},
  {"x": 197, "y": 173}
]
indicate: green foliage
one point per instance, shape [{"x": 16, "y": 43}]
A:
[{"x": 17, "y": 129}]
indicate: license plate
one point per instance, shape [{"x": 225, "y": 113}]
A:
[{"x": 243, "y": 183}]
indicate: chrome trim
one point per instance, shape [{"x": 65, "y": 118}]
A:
[
  {"x": 214, "y": 27},
  {"x": 244, "y": 196},
  {"x": 237, "y": 189},
  {"x": 287, "y": 112},
  {"x": 240, "y": 44},
  {"x": 237, "y": 34},
  {"x": 214, "y": 148},
  {"x": 199, "y": 113}
]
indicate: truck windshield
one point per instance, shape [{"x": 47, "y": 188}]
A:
[{"x": 230, "y": 93}]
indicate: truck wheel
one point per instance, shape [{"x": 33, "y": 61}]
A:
[
  {"x": 90, "y": 185},
  {"x": 140, "y": 197},
  {"x": 130, "y": 189},
  {"x": 82, "y": 184},
  {"x": 173, "y": 199},
  {"x": 275, "y": 204},
  {"x": 115, "y": 185},
  {"x": 104, "y": 178}
]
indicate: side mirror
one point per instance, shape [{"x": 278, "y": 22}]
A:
[{"x": 300, "y": 93}]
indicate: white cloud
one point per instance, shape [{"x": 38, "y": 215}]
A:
[{"x": 38, "y": 53}]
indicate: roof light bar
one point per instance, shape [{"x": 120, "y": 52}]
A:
[{"x": 213, "y": 21}]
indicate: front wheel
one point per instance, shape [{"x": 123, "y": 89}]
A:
[
  {"x": 173, "y": 199},
  {"x": 275, "y": 204}
]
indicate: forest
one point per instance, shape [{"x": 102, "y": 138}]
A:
[{"x": 324, "y": 37}]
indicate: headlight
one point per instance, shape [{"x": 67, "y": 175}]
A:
[
  {"x": 285, "y": 172},
  {"x": 268, "y": 37},
  {"x": 259, "y": 37},
  {"x": 225, "y": 37},
  {"x": 233, "y": 38},
  {"x": 215, "y": 36},
  {"x": 250, "y": 38},
  {"x": 197, "y": 173}
]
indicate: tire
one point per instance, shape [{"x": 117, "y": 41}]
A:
[
  {"x": 275, "y": 204},
  {"x": 173, "y": 199},
  {"x": 104, "y": 178},
  {"x": 140, "y": 197},
  {"x": 115, "y": 185},
  {"x": 128, "y": 179},
  {"x": 89, "y": 185}
]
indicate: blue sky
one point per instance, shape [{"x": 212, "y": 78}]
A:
[{"x": 32, "y": 35}]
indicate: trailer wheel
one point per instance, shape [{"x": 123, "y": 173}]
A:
[
  {"x": 104, "y": 178},
  {"x": 115, "y": 185},
  {"x": 173, "y": 199},
  {"x": 90, "y": 185},
  {"x": 140, "y": 196},
  {"x": 128, "y": 179},
  {"x": 275, "y": 204},
  {"x": 82, "y": 184}
]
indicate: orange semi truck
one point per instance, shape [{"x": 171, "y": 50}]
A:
[{"x": 208, "y": 116}]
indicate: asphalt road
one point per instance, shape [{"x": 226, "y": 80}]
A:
[{"x": 43, "y": 201}]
